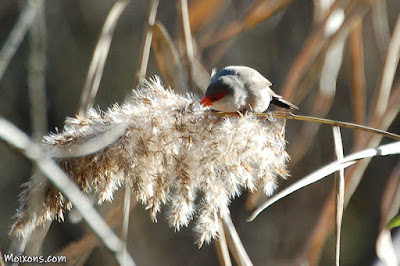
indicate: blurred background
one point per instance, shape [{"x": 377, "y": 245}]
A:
[{"x": 334, "y": 59}]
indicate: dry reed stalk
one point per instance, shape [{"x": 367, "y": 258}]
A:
[
  {"x": 339, "y": 188},
  {"x": 354, "y": 175},
  {"x": 147, "y": 42},
  {"x": 28, "y": 14},
  {"x": 100, "y": 54},
  {"x": 168, "y": 61},
  {"x": 222, "y": 247},
  {"x": 359, "y": 96},
  {"x": 188, "y": 42}
]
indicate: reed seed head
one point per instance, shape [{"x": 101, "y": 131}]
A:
[{"x": 172, "y": 151}]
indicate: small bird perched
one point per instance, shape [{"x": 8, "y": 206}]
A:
[{"x": 241, "y": 88}]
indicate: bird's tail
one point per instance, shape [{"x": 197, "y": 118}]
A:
[{"x": 279, "y": 101}]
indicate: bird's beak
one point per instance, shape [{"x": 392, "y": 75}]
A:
[{"x": 206, "y": 102}]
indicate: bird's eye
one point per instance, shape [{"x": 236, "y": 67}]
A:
[{"x": 217, "y": 96}]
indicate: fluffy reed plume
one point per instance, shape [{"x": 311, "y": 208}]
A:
[{"x": 171, "y": 151}]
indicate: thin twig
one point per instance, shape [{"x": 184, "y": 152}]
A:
[
  {"x": 337, "y": 123},
  {"x": 37, "y": 73},
  {"x": 389, "y": 70},
  {"x": 380, "y": 26},
  {"x": 168, "y": 60},
  {"x": 125, "y": 221},
  {"x": 17, "y": 34},
  {"x": 288, "y": 115},
  {"x": 359, "y": 96},
  {"x": 99, "y": 57},
  {"x": 15, "y": 137},
  {"x": 339, "y": 184},
  {"x": 222, "y": 247},
  {"x": 147, "y": 43},
  {"x": 188, "y": 41},
  {"x": 37, "y": 96},
  {"x": 234, "y": 243}
]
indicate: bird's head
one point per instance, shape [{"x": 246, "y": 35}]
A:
[
  {"x": 214, "y": 93},
  {"x": 220, "y": 96}
]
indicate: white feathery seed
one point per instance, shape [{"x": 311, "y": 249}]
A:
[{"x": 171, "y": 151}]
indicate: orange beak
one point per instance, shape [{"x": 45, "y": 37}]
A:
[{"x": 206, "y": 102}]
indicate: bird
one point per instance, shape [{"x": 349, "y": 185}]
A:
[{"x": 241, "y": 88}]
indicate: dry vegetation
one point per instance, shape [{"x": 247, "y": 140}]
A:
[{"x": 334, "y": 59}]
